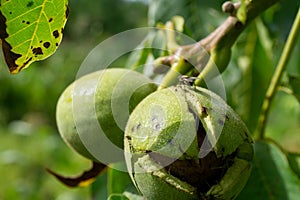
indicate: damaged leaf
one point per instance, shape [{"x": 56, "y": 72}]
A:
[
  {"x": 31, "y": 30},
  {"x": 85, "y": 179}
]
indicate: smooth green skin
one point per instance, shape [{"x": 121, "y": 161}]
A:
[
  {"x": 119, "y": 84},
  {"x": 174, "y": 103}
]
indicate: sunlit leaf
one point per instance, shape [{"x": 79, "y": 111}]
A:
[
  {"x": 295, "y": 85},
  {"x": 160, "y": 41},
  {"x": 31, "y": 30},
  {"x": 271, "y": 177},
  {"x": 264, "y": 37},
  {"x": 178, "y": 22},
  {"x": 139, "y": 56},
  {"x": 242, "y": 12}
]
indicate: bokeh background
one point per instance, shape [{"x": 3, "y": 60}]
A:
[{"x": 29, "y": 140}]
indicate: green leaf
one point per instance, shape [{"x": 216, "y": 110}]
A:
[
  {"x": 178, "y": 22},
  {"x": 160, "y": 41},
  {"x": 139, "y": 56},
  {"x": 133, "y": 196},
  {"x": 117, "y": 197},
  {"x": 197, "y": 24},
  {"x": 271, "y": 177},
  {"x": 295, "y": 85},
  {"x": 117, "y": 180},
  {"x": 130, "y": 194},
  {"x": 294, "y": 160},
  {"x": 99, "y": 187},
  {"x": 264, "y": 37},
  {"x": 242, "y": 12},
  {"x": 245, "y": 79},
  {"x": 31, "y": 30}
]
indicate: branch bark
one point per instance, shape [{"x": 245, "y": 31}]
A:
[{"x": 227, "y": 33}]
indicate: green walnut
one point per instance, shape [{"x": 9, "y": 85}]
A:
[
  {"x": 115, "y": 92},
  {"x": 186, "y": 143}
]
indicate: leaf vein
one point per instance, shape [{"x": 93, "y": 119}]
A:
[{"x": 19, "y": 16}]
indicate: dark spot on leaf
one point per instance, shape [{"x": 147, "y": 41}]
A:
[
  {"x": 62, "y": 30},
  {"x": 50, "y": 20},
  {"x": 55, "y": 33},
  {"x": 67, "y": 11},
  {"x": 27, "y": 61},
  {"x": 23, "y": 21},
  {"x": 41, "y": 41},
  {"x": 46, "y": 45},
  {"x": 37, "y": 51},
  {"x": 30, "y": 3},
  {"x": 10, "y": 12},
  {"x": 28, "y": 22},
  {"x": 31, "y": 47},
  {"x": 56, "y": 44}
]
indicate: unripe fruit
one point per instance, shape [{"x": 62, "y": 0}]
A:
[
  {"x": 187, "y": 143},
  {"x": 115, "y": 92}
]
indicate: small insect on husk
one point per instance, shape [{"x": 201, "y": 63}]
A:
[{"x": 186, "y": 80}]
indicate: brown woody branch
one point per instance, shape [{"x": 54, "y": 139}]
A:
[{"x": 227, "y": 33}]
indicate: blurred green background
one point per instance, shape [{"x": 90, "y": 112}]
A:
[{"x": 29, "y": 140}]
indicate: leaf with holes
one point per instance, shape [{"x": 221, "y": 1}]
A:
[{"x": 31, "y": 30}]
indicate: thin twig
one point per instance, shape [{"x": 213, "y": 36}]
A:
[
  {"x": 280, "y": 68},
  {"x": 222, "y": 37}
]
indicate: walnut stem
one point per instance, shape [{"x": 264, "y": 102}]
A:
[
  {"x": 280, "y": 68},
  {"x": 222, "y": 37}
]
